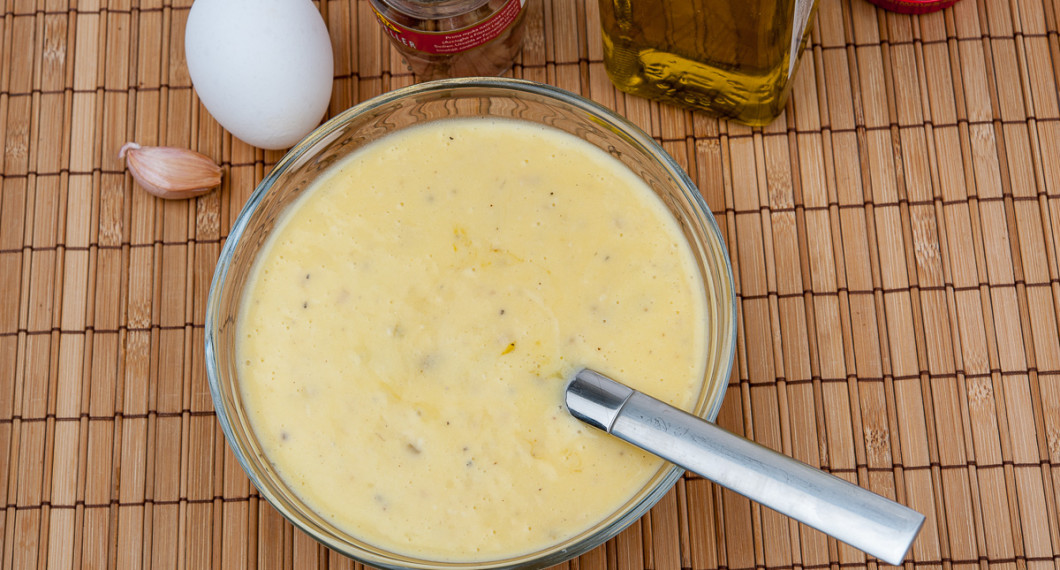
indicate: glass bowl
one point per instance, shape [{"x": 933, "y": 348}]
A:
[{"x": 439, "y": 100}]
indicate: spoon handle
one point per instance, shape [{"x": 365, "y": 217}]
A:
[{"x": 860, "y": 518}]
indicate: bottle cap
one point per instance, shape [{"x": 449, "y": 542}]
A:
[{"x": 913, "y": 6}]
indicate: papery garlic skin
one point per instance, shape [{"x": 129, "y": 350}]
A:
[{"x": 169, "y": 172}]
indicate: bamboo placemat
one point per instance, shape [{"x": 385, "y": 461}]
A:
[{"x": 894, "y": 234}]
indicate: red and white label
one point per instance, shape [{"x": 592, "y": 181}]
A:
[{"x": 454, "y": 41}]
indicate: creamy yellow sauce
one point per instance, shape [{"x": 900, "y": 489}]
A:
[{"x": 410, "y": 327}]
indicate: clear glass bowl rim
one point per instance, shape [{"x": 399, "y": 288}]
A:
[{"x": 501, "y": 86}]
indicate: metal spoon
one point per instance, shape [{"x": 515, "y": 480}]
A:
[{"x": 860, "y": 518}]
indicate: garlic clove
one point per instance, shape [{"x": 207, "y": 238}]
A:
[{"x": 169, "y": 172}]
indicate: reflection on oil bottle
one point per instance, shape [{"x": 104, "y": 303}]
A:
[{"x": 734, "y": 58}]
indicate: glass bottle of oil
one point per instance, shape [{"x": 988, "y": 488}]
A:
[{"x": 734, "y": 58}]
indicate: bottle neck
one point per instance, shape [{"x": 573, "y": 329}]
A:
[{"x": 434, "y": 9}]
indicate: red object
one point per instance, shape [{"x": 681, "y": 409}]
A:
[
  {"x": 454, "y": 41},
  {"x": 913, "y": 6}
]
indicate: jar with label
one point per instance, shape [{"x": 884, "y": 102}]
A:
[
  {"x": 454, "y": 38},
  {"x": 733, "y": 58}
]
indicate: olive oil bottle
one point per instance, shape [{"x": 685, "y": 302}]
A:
[{"x": 734, "y": 58}]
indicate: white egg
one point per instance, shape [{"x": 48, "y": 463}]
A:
[{"x": 263, "y": 68}]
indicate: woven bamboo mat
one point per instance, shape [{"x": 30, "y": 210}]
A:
[{"x": 895, "y": 238}]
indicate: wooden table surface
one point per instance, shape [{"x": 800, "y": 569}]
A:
[{"x": 894, "y": 237}]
